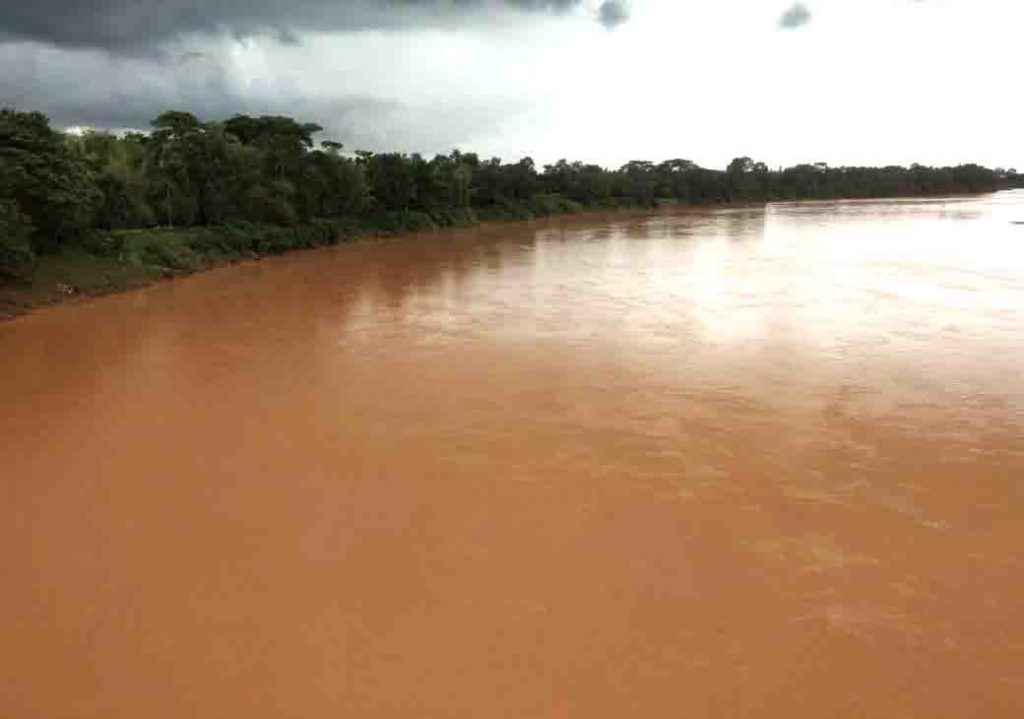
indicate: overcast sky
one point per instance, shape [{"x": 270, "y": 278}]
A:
[{"x": 838, "y": 81}]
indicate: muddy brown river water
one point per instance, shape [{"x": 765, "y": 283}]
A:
[{"x": 744, "y": 462}]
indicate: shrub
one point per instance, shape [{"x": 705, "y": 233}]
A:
[{"x": 16, "y": 256}]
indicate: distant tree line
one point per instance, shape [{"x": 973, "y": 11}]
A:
[{"x": 56, "y": 186}]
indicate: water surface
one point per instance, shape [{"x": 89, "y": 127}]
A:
[{"x": 744, "y": 462}]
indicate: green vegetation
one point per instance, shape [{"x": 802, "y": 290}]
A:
[{"x": 95, "y": 211}]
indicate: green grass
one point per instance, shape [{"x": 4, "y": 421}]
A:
[
  {"x": 104, "y": 262},
  {"x": 73, "y": 271}
]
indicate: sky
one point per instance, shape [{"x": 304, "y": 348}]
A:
[{"x": 847, "y": 82}]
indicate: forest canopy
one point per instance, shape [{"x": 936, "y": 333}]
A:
[{"x": 187, "y": 172}]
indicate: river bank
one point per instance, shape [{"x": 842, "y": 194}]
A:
[{"x": 106, "y": 262}]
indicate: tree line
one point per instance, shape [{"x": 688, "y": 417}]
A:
[{"x": 56, "y": 187}]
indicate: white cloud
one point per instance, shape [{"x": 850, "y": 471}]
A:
[{"x": 867, "y": 82}]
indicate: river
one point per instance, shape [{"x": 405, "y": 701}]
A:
[{"x": 738, "y": 462}]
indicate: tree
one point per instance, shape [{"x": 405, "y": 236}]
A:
[
  {"x": 16, "y": 254},
  {"x": 119, "y": 165},
  {"x": 392, "y": 180},
  {"x": 639, "y": 181},
  {"x": 746, "y": 179},
  {"x": 331, "y": 185},
  {"x": 172, "y": 150},
  {"x": 52, "y": 186},
  {"x": 283, "y": 139}
]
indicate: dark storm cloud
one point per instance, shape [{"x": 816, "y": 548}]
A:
[
  {"x": 612, "y": 14},
  {"x": 93, "y": 88},
  {"x": 796, "y": 16},
  {"x": 121, "y": 25},
  {"x": 87, "y": 87}
]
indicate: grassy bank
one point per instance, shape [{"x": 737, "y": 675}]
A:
[{"x": 102, "y": 262}]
